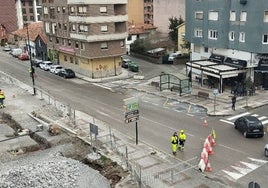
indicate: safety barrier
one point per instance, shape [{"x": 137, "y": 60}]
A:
[{"x": 204, "y": 163}]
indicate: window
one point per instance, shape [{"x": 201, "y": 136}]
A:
[
  {"x": 199, "y": 15},
  {"x": 65, "y": 58},
  {"x": 69, "y": 42},
  {"x": 83, "y": 28},
  {"x": 103, "y": 9},
  {"x": 206, "y": 49},
  {"x": 72, "y": 9},
  {"x": 63, "y": 9},
  {"x": 198, "y": 33},
  {"x": 265, "y": 38},
  {"x": 82, "y": 46},
  {"x": 232, "y": 15},
  {"x": 71, "y": 60},
  {"x": 265, "y": 16},
  {"x": 104, "y": 45},
  {"x": 59, "y": 24},
  {"x": 73, "y": 27},
  {"x": 57, "y": 40},
  {"x": 76, "y": 44},
  {"x": 65, "y": 26},
  {"x": 82, "y": 10},
  {"x": 50, "y": 39},
  {"x": 31, "y": 10},
  {"x": 243, "y": 16},
  {"x": 23, "y": 10},
  {"x": 54, "y": 28},
  {"x": 47, "y": 27},
  {"x": 242, "y": 37},
  {"x": 212, "y": 34},
  {"x": 122, "y": 43},
  {"x": 104, "y": 28},
  {"x": 45, "y": 10},
  {"x": 31, "y": 18},
  {"x": 58, "y": 9},
  {"x": 231, "y": 36},
  {"x": 213, "y": 15},
  {"x": 129, "y": 38}
]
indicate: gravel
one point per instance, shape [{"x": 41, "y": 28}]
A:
[{"x": 49, "y": 170}]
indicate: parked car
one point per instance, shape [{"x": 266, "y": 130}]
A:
[
  {"x": 125, "y": 63},
  {"x": 133, "y": 67},
  {"x": 55, "y": 69},
  {"x": 66, "y": 73},
  {"x": 173, "y": 56},
  {"x": 23, "y": 56},
  {"x": 15, "y": 52},
  {"x": 250, "y": 126},
  {"x": 36, "y": 62},
  {"x": 7, "y": 48},
  {"x": 266, "y": 150},
  {"x": 45, "y": 65}
]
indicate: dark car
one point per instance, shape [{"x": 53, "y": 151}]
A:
[
  {"x": 125, "y": 63},
  {"x": 132, "y": 66},
  {"x": 250, "y": 126},
  {"x": 67, "y": 73},
  {"x": 266, "y": 150}
]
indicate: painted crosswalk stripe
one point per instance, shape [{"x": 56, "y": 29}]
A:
[
  {"x": 264, "y": 122},
  {"x": 238, "y": 116},
  {"x": 262, "y": 118},
  {"x": 233, "y": 175},
  {"x": 225, "y": 121},
  {"x": 258, "y": 160},
  {"x": 255, "y": 115}
]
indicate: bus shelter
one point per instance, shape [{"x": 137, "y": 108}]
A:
[{"x": 174, "y": 82}]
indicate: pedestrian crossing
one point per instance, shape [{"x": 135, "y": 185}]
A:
[
  {"x": 242, "y": 168},
  {"x": 230, "y": 120}
]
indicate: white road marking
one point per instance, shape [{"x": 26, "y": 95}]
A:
[
  {"x": 239, "y": 151},
  {"x": 242, "y": 170},
  {"x": 262, "y": 118},
  {"x": 238, "y": 116},
  {"x": 99, "y": 85},
  {"x": 250, "y": 165},
  {"x": 264, "y": 122},
  {"x": 233, "y": 175},
  {"x": 257, "y": 160},
  {"x": 102, "y": 113},
  {"x": 225, "y": 121},
  {"x": 255, "y": 115}
]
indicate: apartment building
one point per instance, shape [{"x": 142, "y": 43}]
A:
[
  {"x": 232, "y": 36},
  {"x": 87, "y": 36}
]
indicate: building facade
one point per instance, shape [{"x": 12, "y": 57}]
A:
[
  {"x": 135, "y": 11},
  {"x": 87, "y": 36},
  {"x": 232, "y": 33}
]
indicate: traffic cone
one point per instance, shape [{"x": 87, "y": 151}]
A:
[
  {"x": 208, "y": 167},
  {"x": 205, "y": 123}
]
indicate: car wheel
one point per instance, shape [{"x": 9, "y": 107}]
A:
[
  {"x": 245, "y": 134},
  {"x": 266, "y": 152},
  {"x": 235, "y": 126}
]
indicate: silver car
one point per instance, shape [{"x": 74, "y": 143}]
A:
[{"x": 266, "y": 150}]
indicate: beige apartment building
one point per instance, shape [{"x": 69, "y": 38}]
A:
[{"x": 87, "y": 36}]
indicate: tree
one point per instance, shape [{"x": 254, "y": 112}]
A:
[
  {"x": 173, "y": 27},
  {"x": 138, "y": 46}
]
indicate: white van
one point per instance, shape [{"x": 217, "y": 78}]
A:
[{"x": 16, "y": 52}]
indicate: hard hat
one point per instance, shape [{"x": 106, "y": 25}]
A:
[
  {"x": 175, "y": 133},
  {"x": 181, "y": 131}
]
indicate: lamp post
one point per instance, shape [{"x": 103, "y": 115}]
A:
[{"x": 32, "y": 71}]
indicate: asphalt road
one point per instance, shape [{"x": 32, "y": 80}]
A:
[{"x": 157, "y": 122}]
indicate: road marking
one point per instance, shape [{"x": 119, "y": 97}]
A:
[
  {"x": 239, "y": 151},
  {"x": 255, "y": 115},
  {"x": 264, "y": 122},
  {"x": 257, "y": 160},
  {"x": 233, "y": 174},
  {"x": 262, "y": 118},
  {"x": 250, "y": 165},
  {"x": 225, "y": 121},
  {"x": 99, "y": 85},
  {"x": 238, "y": 116}
]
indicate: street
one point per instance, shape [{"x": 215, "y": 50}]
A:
[{"x": 159, "y": 118}]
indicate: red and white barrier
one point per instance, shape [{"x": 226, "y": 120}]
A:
[{"x": 208, "y": 147}]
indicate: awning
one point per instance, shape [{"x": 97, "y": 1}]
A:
[
  {"x": 262, "y": 67},
  {"x": 235, "y": 62},
  {"x": 216, "y": 58}
]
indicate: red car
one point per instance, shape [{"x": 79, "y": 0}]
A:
[{"x": 23, "y": 57}]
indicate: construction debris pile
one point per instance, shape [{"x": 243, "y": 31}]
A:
[{"x": 49, "y": 171}]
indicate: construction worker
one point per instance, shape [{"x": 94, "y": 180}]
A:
[
  {"x": 174, "y": 143},
  {"x": 182, "y": 139},
  {"x": 2, "y": 98}
]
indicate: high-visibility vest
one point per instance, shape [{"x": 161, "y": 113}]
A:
[
  {"x": 174, "y": 139},
  {"x": 182, "y": 136}
]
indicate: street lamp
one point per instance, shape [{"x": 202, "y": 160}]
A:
[{"x": 32, "y": 71}]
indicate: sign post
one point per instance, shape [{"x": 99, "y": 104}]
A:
[
  {"x": 215, "y": 93},
  {"x": 131, "y": 106}
]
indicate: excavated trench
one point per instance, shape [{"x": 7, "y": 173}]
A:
[{"x": 108, "y": 168}]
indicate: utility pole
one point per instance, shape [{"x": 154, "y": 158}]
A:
[{"x": 32, "y": 71}]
